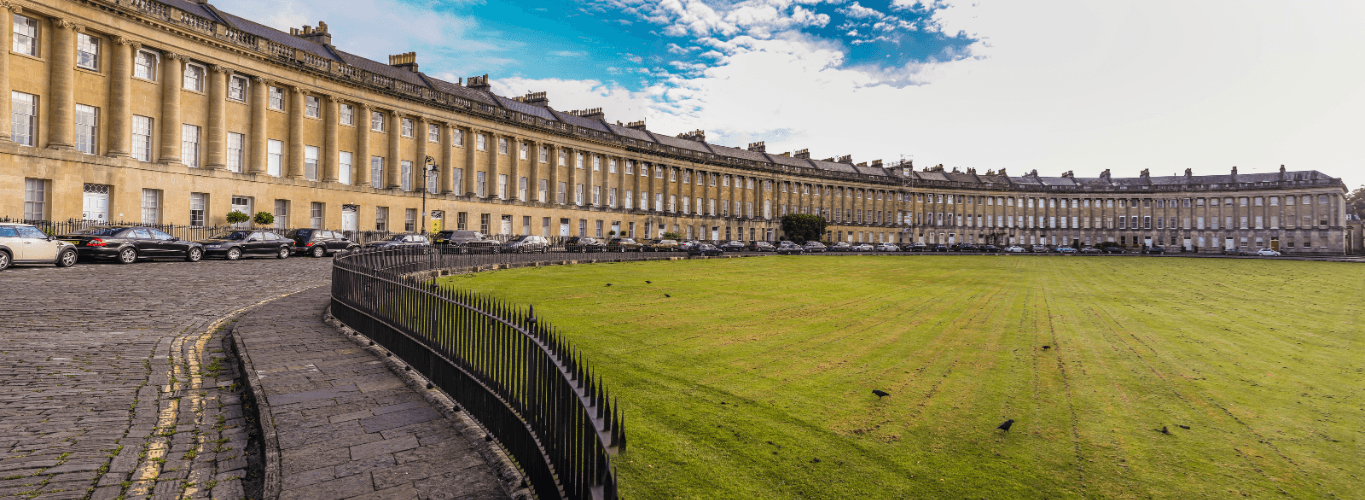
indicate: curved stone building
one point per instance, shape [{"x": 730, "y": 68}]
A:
[{"x": 174, "y": 112}]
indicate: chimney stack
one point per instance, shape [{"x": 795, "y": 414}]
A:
[
  {"x": 478, "y": 83},
  {"x": 640, "y": 125},
  {"x": 846, "y": 159},
  {"x": 758, "y": 147},
  {"x": 319, "y": 35},
  {"x": 876, "y": 164},
  {"x": 695, "y": 135},
  {"x": 1105, "y": 175},
  {"x": 407, "y": 61},
  {"x": 802, "y": 153},
  {"x": 535, "y": 99},
  {"x": 590, "y": 113}
]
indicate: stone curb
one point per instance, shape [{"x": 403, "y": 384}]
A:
[
  {"x": 511, "y": 478},
  {"x": 255, "y": 397}
]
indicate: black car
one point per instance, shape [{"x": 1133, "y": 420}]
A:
[
  {"x": 527, "y": 244},
  {"x": 940, "y": 248},
  {"x": 402, "y": 241},
  {"x": 966, "y": 248},
  {"x": 917, "y": 247},
  {"x": 732, "y": 246},
  {"x": 789, "y": 248},
  {"x": 319, "y": 242},
  {"x": 990, "y": 249},
  {"x": 127, "y": 244},
  {"x": 841, "y": 246},
  {"x": 706, "y": 249},
  {"x": 233, "y": 245},
  {"x": 466, "y": 241},
  {"x": 583, "y": 244},
  {"x": 1113, "y": 249},
  {"x": 623, "y": 245},
  {"x": 1154, "y": 249},
  {"x": 762, "y": 246}
]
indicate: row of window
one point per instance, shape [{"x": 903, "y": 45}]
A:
[
  {"x": 1120, "y": 222},
  {"x": 1258, "y": 201}
]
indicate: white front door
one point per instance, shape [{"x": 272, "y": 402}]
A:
[
  {"x": 506, "y": 225},
  {"x": 350, "y": 218},
  {"x": 1229, "y": 245},
  {"x": 1188, "y": 246},
  {"x": 715, "y": 233},
  {"x": 96, "y": 204}
]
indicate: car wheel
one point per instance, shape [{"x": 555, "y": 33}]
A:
[
  {"x": 4, "y": 260},
  {"x": 127, "y": 256},
  {"x": 67, "y": 259},
  {"x": 234, "y": 254},
  {"x": 194, "y": 254},
  {"x": 283, "y": 253},
  {"x": 319, "y": 252}
]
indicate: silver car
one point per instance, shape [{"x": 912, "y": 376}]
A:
[{"x": 26, "y": 244}]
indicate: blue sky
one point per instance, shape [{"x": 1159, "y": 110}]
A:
[{"x": 1047, "y": 85}]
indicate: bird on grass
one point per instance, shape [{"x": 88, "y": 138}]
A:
[
  {"x": 1164, "y": 431},
  {"x": 880, "y": 394},
  {"x": 1006, "y": 426},
  {"x": 1046, "y": 347},
  {"x": 667, "y": 296},
  {"x": 648, "y": 282},
  {"x": 1186, "y": 427},
  {"x": 608, "y": 284}
]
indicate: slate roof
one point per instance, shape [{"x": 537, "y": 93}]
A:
[{"x": 521, "y": 107}]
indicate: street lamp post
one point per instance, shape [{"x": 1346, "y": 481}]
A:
[{"x": 428, "y": 168}]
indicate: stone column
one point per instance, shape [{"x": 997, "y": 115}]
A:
[
  {"x": 447, "y": 160},
  {"x": 391, "y": 166},
  {"x": 61, "y": 123},
  {"x": 492, "y": 167},
  {"x": 552, "y": 191},
  {"x": 260, "y": 101},
  {"x": 469, "y": 176},
  {"x": 514, "y": 169},
  {"x": 532, "y": 171},
  {"x": 331, "y": 151},
  {"x": 217, "y": 126},
  {"x": 294, "y": 163},
  {"x": 361, "y": 161},
  {"x": 419, "y": 161},
  {"x": 7, "y": 11},
  {"x": 120, "y": 95},
  {"x": 172, "y": 75}
]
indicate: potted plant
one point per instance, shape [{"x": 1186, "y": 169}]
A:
[{"x": 263, "y": 219}]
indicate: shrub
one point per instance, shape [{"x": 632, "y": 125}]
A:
[
  {"x": 263, "y": 219},
  {"x": 672, "y": 236},
  {"x": 801, "y": 228},
  {"x": 237, "y": 217}
]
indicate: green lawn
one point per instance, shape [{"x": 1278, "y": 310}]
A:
[{"x": 755, "y": 379}]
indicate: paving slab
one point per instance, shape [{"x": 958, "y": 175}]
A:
[{"x": 346, "y": 426}]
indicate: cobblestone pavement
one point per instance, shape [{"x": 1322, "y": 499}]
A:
[
  {"x": 347, "y": 426},
  {"x": 114, "y": 380}
]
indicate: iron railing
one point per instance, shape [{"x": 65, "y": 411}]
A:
[{"x": 515, "y": 374}]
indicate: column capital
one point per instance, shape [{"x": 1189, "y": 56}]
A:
[
  {"x": 63, "y": 22},
  {"x": 123, "y": 40},
  {"x": 218, "y": 68},
  {"x": 173, "y": 55},
  {"x": 11, "y": 6},
  {"x": 262, "y": 80}
]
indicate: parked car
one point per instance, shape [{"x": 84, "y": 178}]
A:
[
  {"x": 233, "y": 245},
  {"x": 788, "y": 248},
  {"x": 687, "y": 245},
  {"x": 888, "y": 247},
  {"x": 733, "y": 246},
  {"x": 1266, "y": 252},
  {"x": 917, "y": 247},
  {"x": 814, "y": 247},
  {"x": 660, "y": 246},
  {"x": 1090, "y": 250},
  {"x": 1154, "y": 249},
  {"x": 841, "y": 246},
  {"x": 467, "y": 241},
  {"x": 990, "y": 249},
  {"x": 762, "y": 246},
  {"x": 128, "y": 244},
  {"x": 1038, "y": 249},
  {"x": 583, "y": 244},
  {"x": 623, "y": 245},
  {"x": 1014, "y": 249},
  {"x": 1066, "y": 250},
  {"x": 527, "y": 244},
  {"x": 320, "y": 242},
  {"x": 863, "y": 247},
  {"x": 26, "y": 244},
  {"x": 706, "y": 249},
  {"x": 940, "y": 248},
  {"x": 1114, "y": 249},
  {"x": 966, "y": 247},
  {"x": 402, "y": 241}
]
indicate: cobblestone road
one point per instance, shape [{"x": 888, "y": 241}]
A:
[{"x": 114, "y": 380}]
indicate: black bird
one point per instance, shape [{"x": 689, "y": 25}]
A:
[
  {"x": 667, "y": 296},
  {"x": 650, "y": 282},
  {"x": 608, "y": 284},
  {"x": 1006, "y": 426},
  {"x": 880, "y": 394},
  {"x": 1164, "y": 431},
  {"x": 1186, "y": 427},
  {"x": 1046, "y": 347}
]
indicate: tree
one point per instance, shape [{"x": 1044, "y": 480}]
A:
[
  {"x": 801, "y": 228},
  {"x": 1355, "y": 202},
  {"x": 237, "y": 217},
  {"x": 672, "y": 236},
  {"x": 263, "y": 219}
]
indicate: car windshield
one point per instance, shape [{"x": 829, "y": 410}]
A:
[
  {"x": 299, "y": 233},
  {"x": 99, "y": 231},
  {"x": 230, "y": 235}
]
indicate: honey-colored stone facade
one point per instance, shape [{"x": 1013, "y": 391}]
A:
[{"x": 239, "y": 111}]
